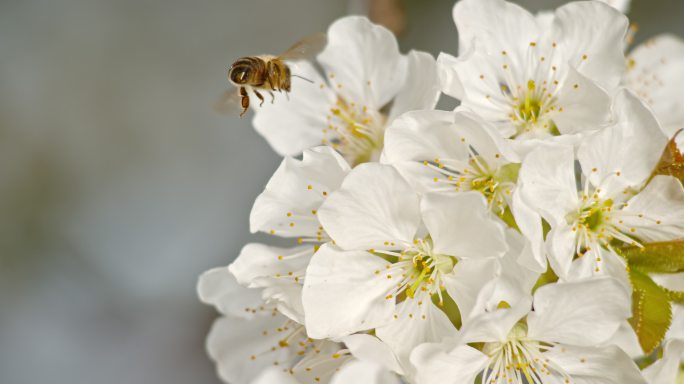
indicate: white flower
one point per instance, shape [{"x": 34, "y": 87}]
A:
[
  {"x": 555, "y": 337},
  {"x": 654, "y": 73},
  {"x": 612, "y": 203},
  {"x": 288, "y": 208},
  {"x": 245, "y": 342},
  {"x": 364, "y": 73},
  {"x": 439, "y": 151},
  {"x": 385, "y": 268},
  {"x": 536, "y": 78}
]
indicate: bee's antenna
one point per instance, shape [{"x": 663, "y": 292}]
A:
[{"x": 303, "y": 78}]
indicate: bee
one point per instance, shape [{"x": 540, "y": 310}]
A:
[{"x": 265, "y": 73}]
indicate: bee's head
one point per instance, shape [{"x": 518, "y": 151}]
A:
[{"x": 239, "y": 74}]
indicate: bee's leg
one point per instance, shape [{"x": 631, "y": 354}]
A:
[
  {"x": 259, "y": 96},
  {"x": 244, "y": 102},
  {"x": 270, "y": 75},
  {"x": 272, "y": 96}
]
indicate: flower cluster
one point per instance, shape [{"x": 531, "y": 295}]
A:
[{"x": 532, "y": 235}]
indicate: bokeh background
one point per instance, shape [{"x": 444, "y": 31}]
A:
[{"x": 118, "y": 183}]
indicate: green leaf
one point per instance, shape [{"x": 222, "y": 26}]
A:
[
  {"x": 671, "y": 162},
  {"x": 660, "y": 257},
  {"x": 651, "y": 311},
  {"x": 675, "y": 296}
]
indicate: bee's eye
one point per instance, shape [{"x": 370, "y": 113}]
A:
[{"x": 240, "y": 75}]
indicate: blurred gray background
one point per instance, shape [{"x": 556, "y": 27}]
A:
[{"x": 118, "y": 183}]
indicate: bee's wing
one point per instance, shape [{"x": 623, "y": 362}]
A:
[
  {"x": 306, "y": 48},
  {"x": 229, "y": 103}
]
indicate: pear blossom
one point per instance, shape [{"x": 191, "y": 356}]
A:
[
  {"x": 614, "y": 202},
  {"x": 395, "y": 257},
  {"x": 365, "y": 74},
  {"x": 534, "y": 78},
  {"x": 555, "y": 336},
  {"x": 288, "y": 208}
]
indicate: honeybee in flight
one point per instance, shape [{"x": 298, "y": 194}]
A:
[{"x": 266, "y": 73}]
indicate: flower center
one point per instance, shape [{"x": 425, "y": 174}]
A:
[
  {"x": 531, "y": 107},
  {"x": 355, "y": 131},
  {"x": 518, "y": 359},
  {"x": 419, "y": 269},
  {"x": 495, "y": 184}
]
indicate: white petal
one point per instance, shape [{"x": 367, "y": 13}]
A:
[
  {"x": 414, "y": 325},
  {"x": 364, "y": 372},
  {"x": 666, "y": 370},
  {"x": 288, "y": 205},
  {"x": 280, "y": 271},
  {"x": 255, "y": 353},
  {"x": 598, "y": 31},
  {"x": 481, "y": 78},
  {"x": 467, "y": 280},
  {"x": 275, "y": 375},
  {"x": 529, "y": 222},
  {"x": 496, "y": 23},
  {"x": 423, "y": 135},
  {"x": 511, "y": 266},
  {"x": 219, "y": 288},
  {"x": 369, "y": 348},
  {"x": 626, "y": 339},
  {"x": 321, "y": 364},
  {"x": 434, "y": 365},
  {"x": 296, "y": 122},
  {"x": 524, "y": 147},
  {"x": 620, "y": 5},
  {"x": 548, "y": 174},
  {"x": 654, "y": 74},
  {"x": 561, "y": 244},
  {"x": 374, "y": 207},
  {"x": 581, "y": 313},
  {"x": 586, "y": 365},
  {"x": 490, "y": 322},
  {"x": 632, "y": 147},
  {"x": 484, "y": 138},
  {"x": 264, "y": 261},
  {"x": 364, "y": 59},
  {"x": 586, "y": 107},
  {"x": 662, "y": 205},
  {"x": 600, "y": 262},
  {"x": 448, "y": 76},
  {"x": 460, "y": 225},
  {"x": 421, "y": 89},
  {"x": 343, "y": 293}
]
